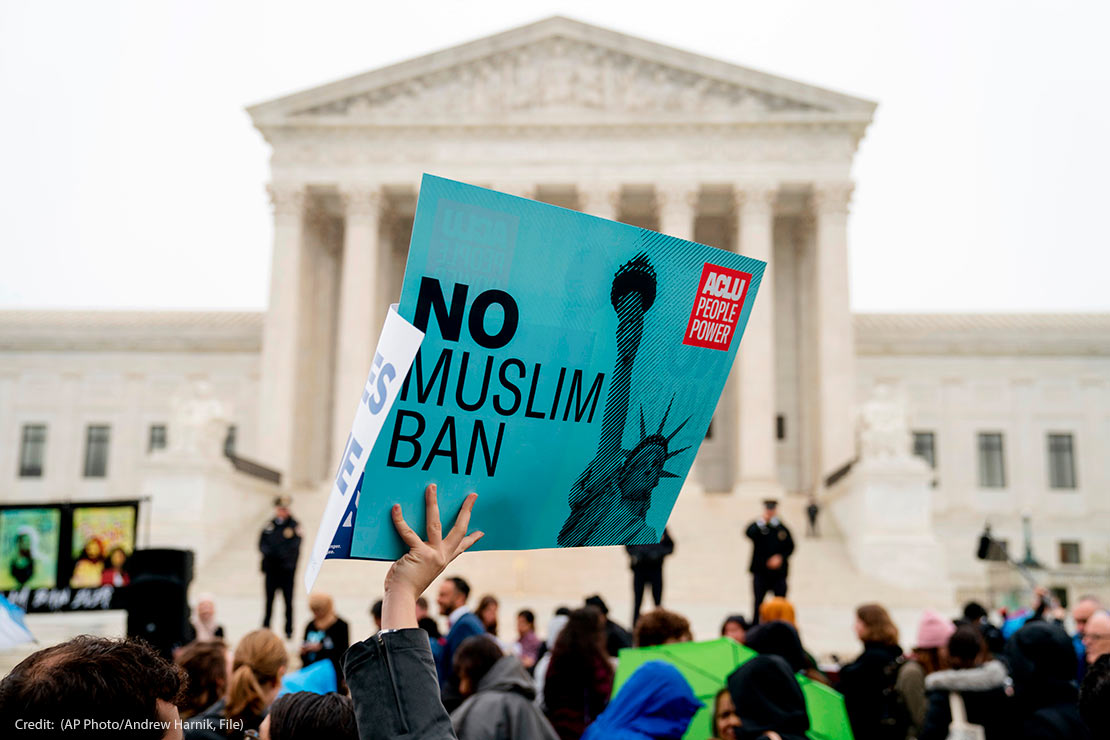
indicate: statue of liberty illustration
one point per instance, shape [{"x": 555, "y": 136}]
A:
[{"x": 610, "y": 500}]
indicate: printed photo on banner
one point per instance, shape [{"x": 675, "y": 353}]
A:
[
  {"x": 103, "y": 539},
  {"x": 29, "y": 541}
]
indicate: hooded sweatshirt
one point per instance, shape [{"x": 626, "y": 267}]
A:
[
  {"x": 768, "y": 699},
  {"x": 656, "y": 703},
  {"x": 1043, "y": 664},
  {"x": 503, "y": 708},
  {"x": 984, "y": 692}
]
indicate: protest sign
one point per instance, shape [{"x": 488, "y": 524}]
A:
[
  {"x": 570, "y": 368},
  {"x": 396, "y": 348}
]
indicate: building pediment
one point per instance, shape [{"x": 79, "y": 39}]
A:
[{"x": 560, "y": 72}]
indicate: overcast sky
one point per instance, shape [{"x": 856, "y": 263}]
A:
[{"x": 130, "y": 175}]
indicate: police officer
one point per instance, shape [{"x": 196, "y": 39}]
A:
[
  {"x": 280, "y": 545},
  {"x": 772, "y": 545}
]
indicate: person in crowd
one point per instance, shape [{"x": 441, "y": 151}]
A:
[
  {"x": 930, "y": 654},
  {"x": 487, "y": 612},
  {"x": 580, "y": 677},
  {"x": 812, "y": 510},
  {"x": 616, "y": 636},
  {"x": 976, "y": 682},
  {"x": 554, "y": 627},
  {"x": 1094, "y": 698},
  {"x": 975, "y": 613},
  {"x": 736, "y": 627},
  {"x": 646, "y": 562},
  {"x": 257, "y": 668},
  {"x": 92, "y": 678},
  {"x": 398, "y": 662},
  {"x": 867, "y": 683},
  {"x": 781, "y": 639},
  {"x": 326, "y": 636},
  {"x": 306, "y": 716},
  {"x": 1083, "y": 610},
  {"x": 461, "y": 623},
  {"x": 768, "y": 700},
  {"x": 498, "y": 696},
  {"x": 205, "y": 667},
  {"x": 528, "y": 644},
  {"x": 772, "y": 546},
  {"x": 1042, "y": 666},
  {"x": 424, "y": 618},
  {"x": 280, "y": 545},
  {"x": 376, "y": 614},
  {"x": 656, "y": 703},
  {"x": 661, "y": 627},
  {"x": 205, "y": 626},
  {"x": 725, "y": 722},
  {"x": 1096, "y": 636},
  {"x": 777, "y": 609}
]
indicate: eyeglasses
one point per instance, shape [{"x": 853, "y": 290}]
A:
[
  {"x": 252, "y": 734},
  {"x": 1092, "y": 636}
]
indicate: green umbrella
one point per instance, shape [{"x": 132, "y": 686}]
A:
[{"x": 707, "y": 666}]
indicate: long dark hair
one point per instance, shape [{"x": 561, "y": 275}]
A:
[{"x": 578, "y": 651}]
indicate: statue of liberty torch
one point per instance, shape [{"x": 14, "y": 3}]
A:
[{"x": 610, "y": 500}]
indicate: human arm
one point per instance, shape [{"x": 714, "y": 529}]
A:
[
  {"x": 910, "y": 685},
  {"x": 392, "y": 676}
]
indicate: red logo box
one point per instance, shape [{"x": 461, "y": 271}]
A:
[{"x": 717, "y": 307}]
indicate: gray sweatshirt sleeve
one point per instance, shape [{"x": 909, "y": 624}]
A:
[{"x": 394, "y": 688}]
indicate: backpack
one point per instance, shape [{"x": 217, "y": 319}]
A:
[
  {"x": 894, "y": 717},
  {"x": 960, "y": 729}
]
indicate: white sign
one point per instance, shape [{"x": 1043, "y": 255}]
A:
[{"x": 393, "y": 357}]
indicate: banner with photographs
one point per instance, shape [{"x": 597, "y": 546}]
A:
[{"x": 65, "y": 557}]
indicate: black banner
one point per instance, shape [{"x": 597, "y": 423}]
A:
[{"x": 66, "y": 557}]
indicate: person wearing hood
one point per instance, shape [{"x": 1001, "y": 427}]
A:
[
  {"x": 656, "y": 703},
  {"x": 868, "y": 682},
  {"x": 498, "y": 696},
  {"x": 978, "y": 683},
  {"x": 930, "y": 654},
  {"x": 1043, "y": 665},
  {"x": 781, "y": 639},
  {"x": 768, "y": 701}
]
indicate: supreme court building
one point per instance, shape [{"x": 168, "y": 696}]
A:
[{"x": 911, "y": 430}]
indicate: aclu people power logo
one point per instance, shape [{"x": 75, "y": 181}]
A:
[{"x": 717, "y": 307}]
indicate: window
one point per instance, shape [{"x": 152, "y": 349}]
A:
[
  {"x": 1069, "y": 553},
  {"x": 780, "y": 427},
  {"x": 925, "y": 447},
  {"x": 96, "y": 451},
  {"x": 157, "y": 438},
  {"x": 32, "y": 450},
  {"x": 992, "y": 467},
  {"x": 1061, "y": 461},
  {"x": 229, "y": 440}
]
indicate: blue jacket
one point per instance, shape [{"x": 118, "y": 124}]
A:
[
  {"x": 468, "y": 626},
  {"x": 656, "y": 703}
]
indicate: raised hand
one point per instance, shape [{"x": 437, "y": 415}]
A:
[{"x": 415, "y": 570}]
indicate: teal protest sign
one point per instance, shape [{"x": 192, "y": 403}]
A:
[{"x": 569, "y": 370}]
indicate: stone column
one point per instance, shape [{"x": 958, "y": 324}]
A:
[
  {"x": 835, "y": 352},
  {"x": 678, "y": 205},
  {"x": 757, "y": 466},
  {"x": 281, "y": 333},
  {"x": 356, "y": 335},
  {"x": 600, "y": 199}
]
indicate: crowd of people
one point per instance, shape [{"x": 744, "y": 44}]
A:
[{"x": 1027, "y": 679}]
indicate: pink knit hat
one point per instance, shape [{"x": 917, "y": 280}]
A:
[{"x": 934, "y": 630}]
